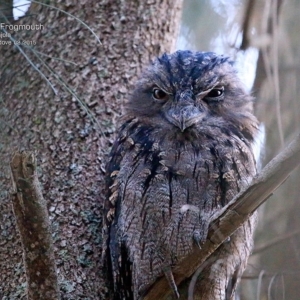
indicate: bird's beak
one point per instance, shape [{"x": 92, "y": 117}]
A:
[{"x": 184, "y": 116}]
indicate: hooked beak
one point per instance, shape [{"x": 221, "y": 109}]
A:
[{"x": 184, "y": 116}]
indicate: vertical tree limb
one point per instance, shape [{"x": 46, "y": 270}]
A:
[
  {"x": 32, "y": 221},
  {"x": 246, "y": 24}
]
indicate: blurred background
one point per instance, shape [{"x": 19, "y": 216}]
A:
[{"x": 263, "y": 37}]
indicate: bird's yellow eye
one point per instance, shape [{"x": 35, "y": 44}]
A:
[{"x": 159, "y": 94}]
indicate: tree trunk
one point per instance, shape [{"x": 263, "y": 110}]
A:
[{"x": 73, "y": 129}]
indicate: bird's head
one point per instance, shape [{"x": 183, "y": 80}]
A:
[{"x": 192, "y": 91}]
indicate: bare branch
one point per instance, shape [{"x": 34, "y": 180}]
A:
[
  {"x": 256, "y": 276},
  {"x": 33, "y": 223},
  {"x": 275, "y": 241},
  {"x": 264, "y": 68},
  {"x": 246, "y": 24},
  {"x": 233, "y": 215}
]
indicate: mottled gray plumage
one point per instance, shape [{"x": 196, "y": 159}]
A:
[{"x": 182, "y": 153}]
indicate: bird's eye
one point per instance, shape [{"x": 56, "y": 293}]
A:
[
  {"x": 215, "y": 94},
  {"x": 159, "y": 94}
]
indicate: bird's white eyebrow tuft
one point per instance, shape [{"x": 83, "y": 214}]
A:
[
  {"x": 258, "y": 145},
  {"x": 187, "y": 207}
]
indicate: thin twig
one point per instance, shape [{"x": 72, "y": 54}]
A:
[
  {"x": 275, "y": 69},
  {"x": 270, "y": 274},
  {"x": 70, "y": 90},
  {"x": 259, "y": 284},
  {"x": 30, "y": 61},
  {"x": 72, "y": 16},
  {"x": 270, "y": 285},
  {"x": 275, "y": 241}
]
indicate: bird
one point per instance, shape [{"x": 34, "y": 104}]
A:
[{"x": 183, "y": 151}]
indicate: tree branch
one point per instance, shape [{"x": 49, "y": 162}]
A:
[
  {"x": 233, "y": 215},
  {"x": 246, "y": 24},
  {"x": 275, "y": 241},
  {"x": 33, "y": 223}
]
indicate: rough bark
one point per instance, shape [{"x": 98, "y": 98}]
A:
[{"x": 71, "y": 148}]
